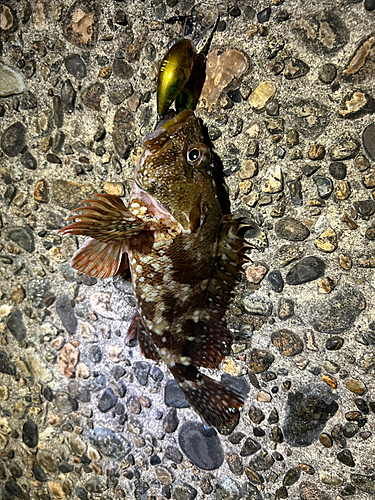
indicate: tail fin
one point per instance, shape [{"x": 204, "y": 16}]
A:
[{"x": 217, "y": 404}]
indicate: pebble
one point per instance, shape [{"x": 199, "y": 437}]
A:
[
  {"x": 338, "y": 313},
  {"x": 107, "y": 400},
  {"x": 327, "y": 73},
  {"x": 365, "y": 208},
  {"x": 343, "y": 190},
  {"x": 287, "y": 342},
  {"x": 109, "y": 443},
  {"x": 296, "y": 68},
  {"x": 16, "y": 325},
  {"x": 316, "y": 152},
  {"x": 276, "y": 281},
  {"x": 91, "y": 96},
  {"x": 262, "y": 95},
  {"x": 346, "y": 458},
  {"x": 66, "y": 314},
  {"x": 249, "y": 447},
  {"x": 295, "y": 189},
  {"x": 345, "y": 262},
  {"x": 255, "y": 273},
  {"x": 324, "y": 186},
  {"x": 264, "y": 15},
  {"x": 68, "y": 359},
  {"x": 202, "y": 446},
  {"x": 368, "y": 139},
  {"x": 257, "y": 304},
  {"x": 81, "y": 24},
  {"x": 6, "y": 366},
  {"x": 344, "y": 147},
  {"x": 68, "y": 194},
  {"x": 356, "y": 386},
  {"x": 307, "y": 269},
  {"x": 308, "y": 410},
  {"x": 292, "y": 476},
  {"x": 259, "y": 360},
  {"x": 291, "y": 229},
  {"x": 30, "y": 434},
  {"x": 235, "y": 464},
  {"x": 327, "y": 241},
  {"x": 275, "y": 182},
  {"x": 173, "y": 395},
  {"x": 11, "y": 81},
  {"x": 338, "y": 170},
  {"x": 326, "y": 440},
  {"x": 364, "y": 483},
  {"x": 170, "y": 422},
  {"x": 22, "y": 236}
]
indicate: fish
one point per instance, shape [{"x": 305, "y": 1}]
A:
[{"x": 183, "y": 254}]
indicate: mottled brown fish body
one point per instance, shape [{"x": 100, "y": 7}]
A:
[{"x": 183, "y": 256}]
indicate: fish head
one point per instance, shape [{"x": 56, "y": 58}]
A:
[{"x": 176, "y": 169}]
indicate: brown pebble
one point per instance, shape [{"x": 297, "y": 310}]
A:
[
  {"x": 105, "y": 72},
  {"x": 316, "y": 152},
  {"x": 360, "y": 56},
  {"x": 327, "y": 241},
  {"x": 248, "y": 170},
  {"x": 351, "y": 224},
  {"x": 46, "y": 143},
  {"x": 18, "y": 294},
  {"x": 41, "y": 191},
  {"x": 144, "y": 401},
  {"x": 255, "y": 273},
  {"x": 326, "y": 440},
  {"x": 343, "y": 190},
  {"x": 326, "y": 285},
  {"x": 331, "y": 381},
  {"x": 264, "y": 397}
]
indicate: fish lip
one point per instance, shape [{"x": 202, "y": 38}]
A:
[{"x": 168, "y": 124}]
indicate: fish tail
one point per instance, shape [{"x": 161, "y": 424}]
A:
[{"x": 217, "y": 404}]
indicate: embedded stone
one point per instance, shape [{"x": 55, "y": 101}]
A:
[
  {"x": 11, "y": 81},
  {"x": 13, "y": 139},
  {"x": 262, "y": 95},
  {"x": 368, "y": 139},
  {"x": 291, "y": 229},
  {"x": 287, "y": 342},
  {"x": 307, "y": 269},
  {"x": 327, "y": 241}
]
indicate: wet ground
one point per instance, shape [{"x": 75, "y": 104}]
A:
[{"x": 289, "y": 107}]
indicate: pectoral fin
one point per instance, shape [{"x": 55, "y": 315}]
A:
[
  {"x": 99, "y": 259},
  {"x": 107, "y": 219}
]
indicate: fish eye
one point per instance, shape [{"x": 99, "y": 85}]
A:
[{"x": 198, "y": 155}]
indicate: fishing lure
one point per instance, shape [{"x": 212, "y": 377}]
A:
[{"x": 183, "y": 253}]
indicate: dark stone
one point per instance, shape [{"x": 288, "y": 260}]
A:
[
  {"x": 13, "y": 489},
  {"x": 28, "y": 161},
  {"x": 30, "y": 434},
  {"x": 338, "y": 170},
  {"x": 170, "y": 422},
  {"x": 338, "y": 313},
  {"x": 85, "y": 33},
  {"x": 327, "y": 73},
  {"x": 276, "y": 281},
  {"x": 275, "y": 125},
  {"x": 75, "y": 66},
  {"x": 369, "y": 5},
  {"x": 260, "y": 360},
  {"x": 249, "y": 447},
  {"x": 350, "y": 429},
  {"x": 81, "y": 493},
  {"x": 259, "y": 432},
  {"x": 118, "y": 93},
  {"x": 29, "y": 101},
  {"x": 66, "y": 314},
  {"x": 39, "y": 474},
  {"x": 173, "y": 395},
  {"x": 292, "y": 476},
  {"x": 141, "y": 371},
  {"x": 365, "y": 208},
  {"x": 68, "y": 97},
  {"x": 48, "y": 393},
  {"x": 291, "y": 229},
  {"x": 307, "y": 269},
  {"x": 287, "y": 342},
  {"x": 364, "y": 483},
  {"x": 324, "y": 186},
  {"x": 264, "y": 15},
  {"x": 296, "y": 68},
  {"x": 122, "y": 69},
  {"x": 107, "y": 401},
  {"x": 261, "y": 462},
  {"x": 58, "y": 111},
  {"x": 307, "y": 412},
  {"x": 276, "y": 435},
  {"x": 368, "y": 140},
  {"x": 36, "y": 290},
  {"x": 69, "y": 194},
  {"x": 52, "y": 158},
  {"x": 13, "y": 139},
  {"x": 58, "y": 142},
  {"x": 346, "y": 458},
  {"x": 256, "y": 415},
  {"x": 202, "y": 446},
  {"x": 95, "y": 354},
  {"x": 109, "y": 443},
  {"x": 214, "y": 132},
  {"x": 91, "y": 96},
  {"x": 362, "y": 405},
  {"x": 174, "y": 454},
  {"x": 334, "y": 343},
  {"x": 295, "y": 190},
  {"x": 155, "y": 460},
  {"x": 310, "y": 169},
  {"x": 343, "y": 147},
  {"x": 6, "y": 366},
  {"x": 23, "y": 236},
  {"x": 16, "y": 325},
  {"x": 118, "y": 371},
  {"x": 235, "y": 463},
  {"x": 314, "y": 118},
  {"x": 65, "y": 468}
]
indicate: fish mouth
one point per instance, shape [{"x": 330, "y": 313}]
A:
[{"x": 168, "y": 125}]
